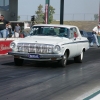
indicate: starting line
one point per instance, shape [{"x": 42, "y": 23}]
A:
[{"x": 95, "y": 96}]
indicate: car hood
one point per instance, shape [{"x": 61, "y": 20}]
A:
[{"x": 43, "y": 39}]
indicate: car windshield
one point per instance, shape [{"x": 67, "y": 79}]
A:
[{"x": 50, "y": 31}]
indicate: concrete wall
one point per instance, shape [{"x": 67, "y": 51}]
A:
[
  {"x": 12, "y": 14},
  {"x": 13, "y": 7}
]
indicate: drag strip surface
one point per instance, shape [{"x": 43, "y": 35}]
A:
[{"x": 49, "y": 81}]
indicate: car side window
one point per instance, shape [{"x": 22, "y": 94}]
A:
[{"x": 73, "y": 32}]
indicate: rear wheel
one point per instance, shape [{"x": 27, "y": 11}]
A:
[
  {"x": 18, "y": 62},
  {"x": 63, "y": 61},
  {"x": 79, "y": 58}
]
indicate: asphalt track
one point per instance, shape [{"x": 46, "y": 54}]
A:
[{"x": 49, "y": 81}]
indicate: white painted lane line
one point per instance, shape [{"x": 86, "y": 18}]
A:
[{"x": 97, "y": 97}]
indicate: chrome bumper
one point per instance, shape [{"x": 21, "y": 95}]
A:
[{"x": 42, "y": 57}]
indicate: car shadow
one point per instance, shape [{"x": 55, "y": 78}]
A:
[{"x": 44, "y": 64}]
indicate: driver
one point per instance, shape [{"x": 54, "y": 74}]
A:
[
  {"x": 62, "y": 32},
  {"x": 52, "y": 32}
]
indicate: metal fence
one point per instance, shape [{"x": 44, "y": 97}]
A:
[{"x": 67, "y": 17}]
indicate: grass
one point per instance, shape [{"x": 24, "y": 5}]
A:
[{"x": 82, "y": 25}]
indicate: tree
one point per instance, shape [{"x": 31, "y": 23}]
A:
[
  {"x": 40, "y": 14},
  {"x": 51, "y": 13},
  {"x": 96, "y": 17}
]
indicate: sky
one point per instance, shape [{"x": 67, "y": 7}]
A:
[{"x": 73, "y": 9}]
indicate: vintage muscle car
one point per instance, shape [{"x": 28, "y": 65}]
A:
[{"x": 49, "y": 42}]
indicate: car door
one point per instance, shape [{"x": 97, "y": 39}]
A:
[
  {"x": 78, "y": 40},
  {"x": 73, "y": 43}
]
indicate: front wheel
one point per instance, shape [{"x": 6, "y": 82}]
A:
[
  {"x": 63, "y": 61},
  {"x": 18, "y": 62},
  {"x": 79, "y": 58}
]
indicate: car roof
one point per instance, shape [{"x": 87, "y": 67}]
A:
[{"x": 57, "y": 25}]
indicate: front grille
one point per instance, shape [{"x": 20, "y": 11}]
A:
[{"x": 35, "y": 48}]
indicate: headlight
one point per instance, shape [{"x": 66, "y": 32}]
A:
[
  {"x": 12, "y": 45},
  {"x": 57, "y": 49}
]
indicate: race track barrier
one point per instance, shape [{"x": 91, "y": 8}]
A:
[{"x": 5, "y": 45}]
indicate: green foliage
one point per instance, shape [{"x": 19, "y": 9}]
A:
[
  {"x": 40, "y": 14},
  {"x": 51, "y": 12},
  {"x": 96, "y": 17}
]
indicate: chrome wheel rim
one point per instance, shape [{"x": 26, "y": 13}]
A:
[
  {"x": 81, "y": 55},
  {"x": 64, "y": 59}
]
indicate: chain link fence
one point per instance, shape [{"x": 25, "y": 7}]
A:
[{"x": 67, "y": 17}]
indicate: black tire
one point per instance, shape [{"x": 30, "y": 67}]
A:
[
  {"x": 78, "y": 59},
  {"x": 18, "y": 62},
  {"x": 63, "y": 61}
]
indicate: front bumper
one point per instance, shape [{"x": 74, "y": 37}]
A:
[{"x": 42, "y": 57}]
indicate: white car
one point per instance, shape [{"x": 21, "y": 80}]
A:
[{"x": 49, "y": 42}]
